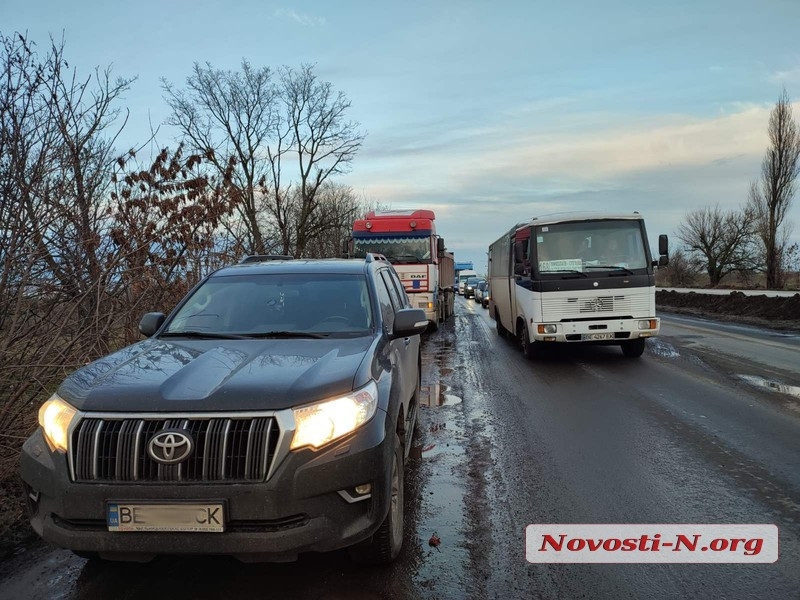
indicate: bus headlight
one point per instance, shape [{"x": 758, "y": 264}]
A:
[
  {"x": 551, "y": 328},
  {"x": 648, "y": 324}
]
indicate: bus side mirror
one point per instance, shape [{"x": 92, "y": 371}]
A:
[
  {"x": 663, "y": 244},
  {"x": 663, "y": 260},
  {"x": 519, "y": 253}
]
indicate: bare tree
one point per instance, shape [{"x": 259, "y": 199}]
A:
[
  {"x": 230, "y": 117},
  {"x": 721, "y": 240},
  {"x": 681, "y": 272},
  {"x": 771, "y": 197},
  {"x": 324, "y": 142}
]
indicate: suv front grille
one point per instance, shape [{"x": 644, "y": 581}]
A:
[{"x": 226, "y": 449}]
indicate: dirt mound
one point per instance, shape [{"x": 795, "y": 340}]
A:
[{"x": 764, "y": 311}]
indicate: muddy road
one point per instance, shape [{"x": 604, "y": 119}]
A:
[{"x": 704, "y": 428}]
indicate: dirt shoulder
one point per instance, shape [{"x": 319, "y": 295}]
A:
[{"x": 760, "y": 311}]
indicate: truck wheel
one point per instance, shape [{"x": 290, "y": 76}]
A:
[
  {"x": 385, "y": 544},
  {"x": 633, "y": 348},
  {"x": 432, "y": 326}
]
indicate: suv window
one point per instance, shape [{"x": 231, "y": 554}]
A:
[
  {"x": 385, "y": 300},
  {"x": 397, "y": 301},
  {"x": 263, "y": 303}
]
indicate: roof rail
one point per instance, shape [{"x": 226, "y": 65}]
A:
[
  {"x": 264, "y": 257},
  {"x": 372, "y": 256}
]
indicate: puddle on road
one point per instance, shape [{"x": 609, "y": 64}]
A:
[
  {"x": 435, "y": 396},
  {"x": 775, "y": 386}
]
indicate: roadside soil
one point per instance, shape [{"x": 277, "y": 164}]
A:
[{"x": 760, "y": 311}]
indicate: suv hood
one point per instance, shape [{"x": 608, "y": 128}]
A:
[{"x": 159, "y": 375}]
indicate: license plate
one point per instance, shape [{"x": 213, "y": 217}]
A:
[
  {"x": 166, "y": 517},
  {"x": 597, "y": 336}
]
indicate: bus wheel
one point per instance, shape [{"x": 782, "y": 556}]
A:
[
  {"x": 501, "y": 331},
  {"x": 527, "y": 348},
  {"x": 633, "y": 348}
]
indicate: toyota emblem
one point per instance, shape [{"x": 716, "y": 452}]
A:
[{"x": 171, "y": 446}]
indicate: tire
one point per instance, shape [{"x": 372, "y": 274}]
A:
[
  {"x": 633, "y": 348},
  {"x": 501, "y": 331},
  {"x": 432, "y": 326},
  {"x": 385, "y": 544},
  {"x": 529, "y": 350}
]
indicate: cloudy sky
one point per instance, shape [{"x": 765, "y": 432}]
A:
[{"x": 487, "y": 112}]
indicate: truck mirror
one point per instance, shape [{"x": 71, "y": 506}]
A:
[
  {"x": 663, "y": 260},
  {"x": 663, "y": 244},
  {"x": 440, "y": 246},
  {"x": 346, "y": 247}
]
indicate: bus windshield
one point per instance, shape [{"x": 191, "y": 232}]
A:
[{"x": 589, "y": 246}]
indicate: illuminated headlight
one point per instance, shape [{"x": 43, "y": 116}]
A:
[
  {"x": 55, "y": 417},
  {"x": 649, "y": 324},
  {"x": 547, "y": 328},
  {"x": 321, "y": 423}
]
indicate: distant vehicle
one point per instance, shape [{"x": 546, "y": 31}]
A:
[
  {"x": 487, "y": 296},
  {"x": 462, "y": 279},
  {"x": 469, "y": 287},
  {"x": 408, "y": 240},
  {"x": 576, "y": 278},
  {"x": 479, "y": 291}
]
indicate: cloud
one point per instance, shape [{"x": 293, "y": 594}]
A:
[
  {"x": 490, "y": 176},
  {"x": 301, "y": 18},
  {"x": 787, "y": 76}
]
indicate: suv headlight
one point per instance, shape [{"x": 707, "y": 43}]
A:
[
  {"x": 323, "y": 422},
  {"x": 55, "y": 417}
]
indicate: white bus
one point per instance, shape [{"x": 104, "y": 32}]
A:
[{"x": 576, "y": 278}]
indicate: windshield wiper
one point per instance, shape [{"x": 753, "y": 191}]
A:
[
  {"x": 284, "y": 335},
  {"x": 404, "y": 259},
  {"x": 616, "y": 267},
  {"x": 208, "y": 335},
  {"x": 571, "y": 271}
]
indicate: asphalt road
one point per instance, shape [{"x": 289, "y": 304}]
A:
[{"x": 704, "y": 428}]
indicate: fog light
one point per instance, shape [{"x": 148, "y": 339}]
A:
[
  {"x": 546, "y": 329},
  {"x": 364, "y": 488},
  {"x": 649, "y": 324},
  {"x": 550, "y": 339}
]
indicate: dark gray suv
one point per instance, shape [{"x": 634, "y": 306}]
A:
[{"x": 270, "y": 414}]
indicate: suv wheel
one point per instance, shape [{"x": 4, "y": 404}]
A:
[{"x": 386, "y": 543}]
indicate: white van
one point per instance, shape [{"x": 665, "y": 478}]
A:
[{"x": 462, "y": 277}]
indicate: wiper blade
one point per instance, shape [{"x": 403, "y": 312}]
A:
[
  {"x": 284, "y": 335},
  {"x": 615, "y": 267},
  {"x": 208, "y": 335},
  {"x": 571, "y": 271},
  {"x": 403, "y": 259}
]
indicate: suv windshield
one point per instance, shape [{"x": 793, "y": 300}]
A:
[{"x": 279, "y": 304}]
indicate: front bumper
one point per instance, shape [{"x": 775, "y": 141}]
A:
[
  {"x": 299, "y": 509},
  {"x": 575, "y": 331}
]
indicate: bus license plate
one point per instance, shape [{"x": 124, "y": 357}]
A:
[
  {"x": 166, "y": 517},
  {"x": 597, "y": 336}
]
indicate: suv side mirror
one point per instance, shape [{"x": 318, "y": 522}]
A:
[
  {"x": 151, "y": 323},
  {"x": 408, "y": 322}
]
